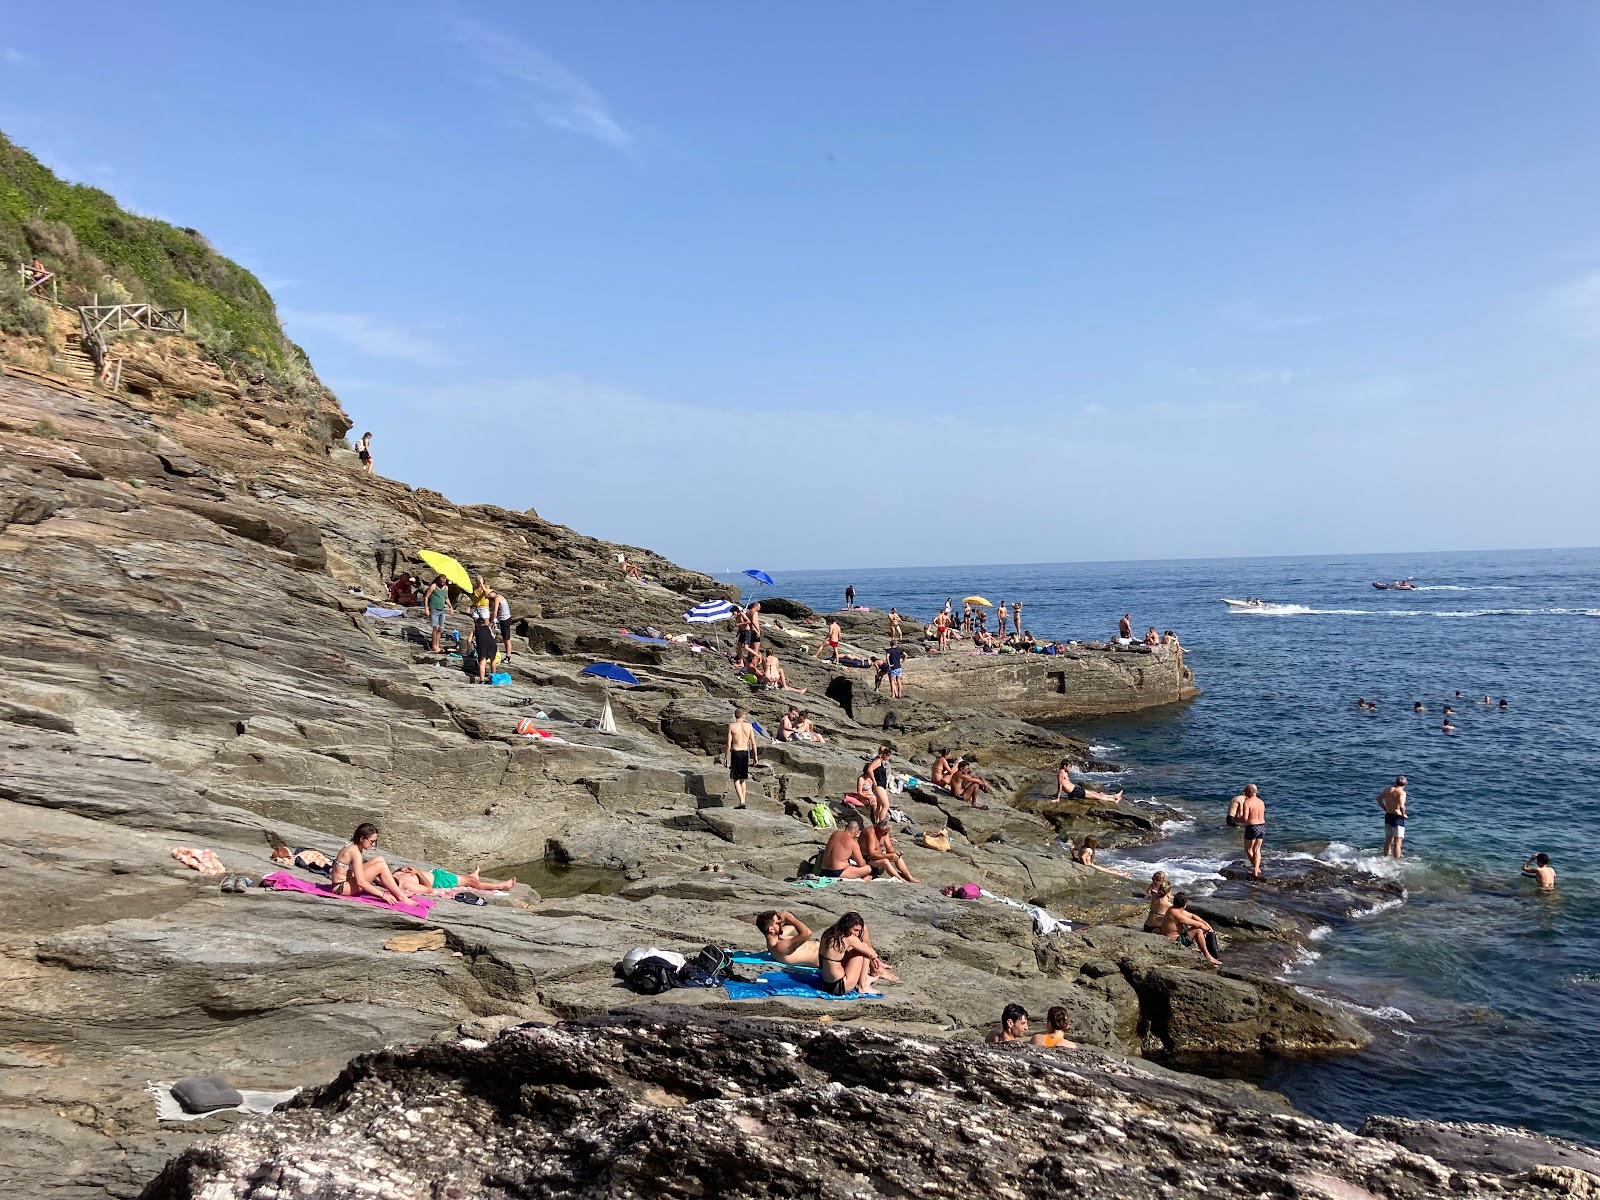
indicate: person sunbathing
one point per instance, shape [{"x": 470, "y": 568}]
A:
[
  {"x": 965, "y": 786},
  {"x": 846, "y": 959},
  {"x": 789, "y": 727},
  {"x": 1160, "y": 894},
  {"x": 774, "y": 676},
  {"x": 842, "y": 857},
  {"x": 788, "y": 938},
  {"x": 805, "y": 731},
  {"x": 1182, "y": 926},
  {"x": 439, "y": 882},
  {"x": 1066, "y": 789},
  {"x": 942, "y": 770},
  {"x": 353, "y": 874},
  {"x": 878, "y": 845},
  {"x": 1085, "y": 854}
]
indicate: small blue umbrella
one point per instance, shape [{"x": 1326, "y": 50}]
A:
[
  {"x": 610, "y": 671},
  {"x": 760, "y": 577}
]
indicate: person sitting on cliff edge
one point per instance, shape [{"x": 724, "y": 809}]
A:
[
  {"x": 1182, "y": 926},
  {"x": 1076, "y": 791}
]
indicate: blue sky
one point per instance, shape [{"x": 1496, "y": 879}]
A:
[{"x": 902, "y": 283}]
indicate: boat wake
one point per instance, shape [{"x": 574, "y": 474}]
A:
[{"x": 1298, "y": 610}]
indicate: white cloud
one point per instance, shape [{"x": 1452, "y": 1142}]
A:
[
  {"x": 535, "y": 83},
  {"x": 374, "y": 336},
  {"x": 1252, "y": 317}
]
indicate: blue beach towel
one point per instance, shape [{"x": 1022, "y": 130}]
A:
[{"x": 800, "y": 983}]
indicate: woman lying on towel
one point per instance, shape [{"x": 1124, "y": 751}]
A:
[
  {"x": 353, "y": 874},
  {"x": 439, "y": 882},
  {"x": 846, "y": 960}
]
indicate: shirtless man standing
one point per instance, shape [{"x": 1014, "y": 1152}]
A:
[
  {"x": 835, "y": 636},
  {"x": 740, "y": 752},
  {"x": 1393, "y": 802},
  {"x": 1125, "y": 626},
  {"x": 842, "y": 857},
  {"x": 942, "y": 623},
  {"x": 1250, "y": 810}
]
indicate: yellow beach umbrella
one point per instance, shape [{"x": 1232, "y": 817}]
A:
[
  {"x": 448, "y": 567},
  {"x": 976, "y": 600}
]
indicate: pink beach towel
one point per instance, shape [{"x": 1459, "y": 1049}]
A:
[{"x": 284, "y": 882}]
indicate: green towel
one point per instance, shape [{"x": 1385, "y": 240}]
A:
[{"x": 443, "y": 878}]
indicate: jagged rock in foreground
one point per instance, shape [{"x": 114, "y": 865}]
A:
[{"x": 667, "y": 1105}]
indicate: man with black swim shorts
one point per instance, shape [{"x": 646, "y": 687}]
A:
[
  {"x": 1393, "y": 802},
  {"x": 740, "y": 752},
  {"x": 1250, "y": 810},
  {"x": 1066, "y": 789}
]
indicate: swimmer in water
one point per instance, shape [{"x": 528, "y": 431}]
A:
[
  {"x": 1448, "y": 711},
  {"x": 1447, "y": 727},
  {"x": 1417, "y": 707},
  {"x": 1538, "y": 867},
  {"x": 1505, "y": 703}
]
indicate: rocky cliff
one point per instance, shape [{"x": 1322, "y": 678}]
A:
[{"x": 192, "y": 663}]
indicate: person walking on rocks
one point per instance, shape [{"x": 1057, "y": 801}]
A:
[
  {"x": 897, "y": 664},
  {"x": 1393, "y": 802},
  {"x": 835, "y": 636},
  {"x": 437, "y": 601},
  {"x": 741, "y": 753},
  {"x": 364, "y": 453},
  {"x": 1250, "y": 810},
  {"x": 849, "y": 595},
  {"x": 484, "y": 646}
]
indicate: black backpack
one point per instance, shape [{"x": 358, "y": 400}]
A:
[
  {"x": 652, "y": 976},
  {"x": 713, "y": 960}
]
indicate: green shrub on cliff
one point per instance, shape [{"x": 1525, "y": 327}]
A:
[{"x": 94, "y": 246}]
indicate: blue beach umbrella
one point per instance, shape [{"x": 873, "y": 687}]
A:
[
  {"x": 609, "y": 672},
  {"x": 760, "y": 577},
  {"x": 709, "y": 611}
]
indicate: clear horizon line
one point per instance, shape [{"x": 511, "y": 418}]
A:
[{"x": 1095, "y": 562}]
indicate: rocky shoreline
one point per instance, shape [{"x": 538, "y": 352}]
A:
[{"x": 195, "y": 665}]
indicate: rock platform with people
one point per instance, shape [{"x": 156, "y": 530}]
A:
[{"x": 208, "y": 654}]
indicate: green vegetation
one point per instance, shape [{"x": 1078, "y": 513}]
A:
[
  {"x": 94, "y": 246},
  {"x": 45, "y": 429},
  {"x": 20, "y": 313}
]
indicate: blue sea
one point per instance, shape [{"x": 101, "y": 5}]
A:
[{"x": 1484, "y": 995}]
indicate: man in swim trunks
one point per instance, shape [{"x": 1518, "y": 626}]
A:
[
  {"x": 894, "y": 624},
  {"x": 789, "y": 725},
  {"x": 1393, "y": 802},
  {"x": 1125, "y": 627},
  {"x": 1538, "y": 867},
  {"x": 741, "y": 624},
  {"x": 1182, "y": 926},
  {"x": 788, "y": 938},
  {"x": 1076, "y": 791},
  {"x": 942, "y": 624},
  {"x": 1250, "y": 810},
  {"x": 897, "y": 660},
  {"x": 835, "y": 636},
  {"x": 740, "y": 753},
  {"x": 842, "y": 857}
]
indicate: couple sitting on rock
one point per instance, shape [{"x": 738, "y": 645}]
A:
[
  {"x": 1169, "y": 916},
  {"x": 958, "y": 779},
  {"x": 1014, "y": 1027},
  {"x": 845, "y": 958},
  {"x": 852, "y": 852},
  {"x": 352, "y": 873}
]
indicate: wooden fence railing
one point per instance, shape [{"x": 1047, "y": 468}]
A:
[
  {"x": 114, "y": 318},
  {"x": 37, "y": 283}
]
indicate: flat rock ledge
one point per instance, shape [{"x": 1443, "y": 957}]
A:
[{"x": 675, "y": 1104}]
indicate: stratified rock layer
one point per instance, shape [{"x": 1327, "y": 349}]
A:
[{"x": 646, "y": 1106}]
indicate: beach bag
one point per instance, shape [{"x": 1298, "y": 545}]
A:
[
  {"x": 638, "y": 954},
  {"x": 936, "y": 840},
  {"x": 652, "y": 976},
  {"x": 822, "y": 816},
  {"x": 962, "y": 891},
  {"x": 500, "y": 677},
  {"x": 713, "y": 960}
]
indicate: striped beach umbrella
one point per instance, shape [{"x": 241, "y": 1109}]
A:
[{"x": 709, "y": 611}]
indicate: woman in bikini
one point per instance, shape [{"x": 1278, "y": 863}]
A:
[
  {"x": 1160, "y": 893},
  {"x": 353, "y": 874},
  {"x": 1055, "y": 1034},
  {"x": 846, "y": 960}
]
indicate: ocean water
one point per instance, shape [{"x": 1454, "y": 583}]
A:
[{"x": 1484, "y": 995}]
